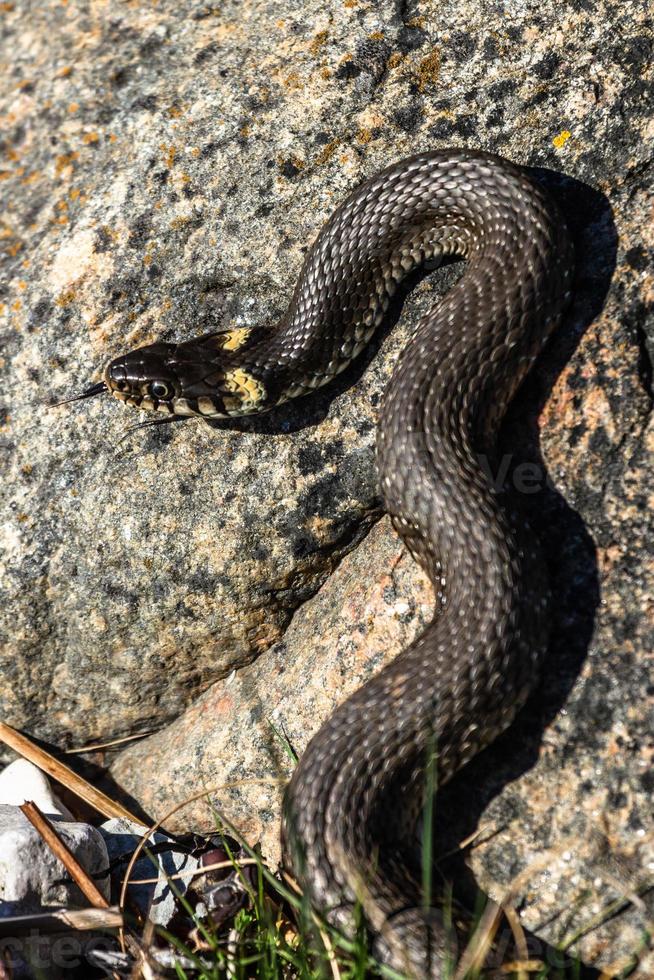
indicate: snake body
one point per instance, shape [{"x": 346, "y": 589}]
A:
[{"x": 461, "y": 682}]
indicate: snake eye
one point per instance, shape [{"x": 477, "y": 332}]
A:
[{"x": 160, "y": 390}]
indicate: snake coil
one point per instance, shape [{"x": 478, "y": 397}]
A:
[{"x": 462, "y": 681}]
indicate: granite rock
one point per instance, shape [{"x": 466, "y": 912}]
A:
[{"x": 165, "y": 169}]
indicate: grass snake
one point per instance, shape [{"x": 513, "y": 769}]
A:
[{"x": 351, "y": 806}]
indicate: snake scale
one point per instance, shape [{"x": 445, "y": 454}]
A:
[{"x": 350, "y": 810}]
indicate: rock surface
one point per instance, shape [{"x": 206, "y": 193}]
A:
[
  {"x": 31, "y": 877},
  {"x": 165, "y": 169},
  {"x": 22, "y": 782}
]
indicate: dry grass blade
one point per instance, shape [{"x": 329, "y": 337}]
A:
[
  {"x": 61, "y": 920},
  {"x": 522, "y": 967},
  {"x": 99, "y": 801},
  {"x": 195, "y": 872},
  {"x": 97, "y": 746},
  {"x": 481, "y": 943},
  {"x": 520, "y": 940},
  {"x": 61, "y": 850}
]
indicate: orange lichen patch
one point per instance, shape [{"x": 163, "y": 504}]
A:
[
  {"x": 6, "y": 8},
  {"x": 195, "y": 151},
  {"x": 376, "y": 36},
  {"x": 73, "y": 107},
  {"x": 173, "y": 112},
  {"x": 5, "y": 174},
  {"x": 65, "y": 160},
  {"x": 562, "y": 138},
  {"x": 327, "y": 151},
  {"x": 429, "y": 70},
  {"x": 65, "y": 298},
  {"x": 292, "y": 80},
  {"x": 16, "y": 305},
  {"x": 169, "y": 152},
  {"x": 395, "y": 59},
  {"x": 65, "y": 71},
  {"x": 30, "y": 178},
  {"x": 22, "y": 284},
  {"x": 74, "y": 193},
  {"x": 11, "y": 154},
  {"x": 14, "y": 248},
  {"x": 350, "y": 3},
  {"x": 112, "y": 137},
  {"x": 325, "y": 73},
  {"x": 318, "y": 41},
  {"x": 90, "y": 138}
]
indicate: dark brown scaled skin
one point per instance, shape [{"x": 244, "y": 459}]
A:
[{"x": 462, "y": 681}]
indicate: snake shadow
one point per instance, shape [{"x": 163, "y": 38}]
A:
[{"x": 570, "y": 554}]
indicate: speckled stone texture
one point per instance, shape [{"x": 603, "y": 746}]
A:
[{"x": 165, "y": 167}]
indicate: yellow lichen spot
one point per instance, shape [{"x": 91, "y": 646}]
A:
[
  {"x": 65, "y": 298},
  {"x": 169, "y": 152},
  {"x": 22, "y": 284},
  {"x": 562, "y": 138},
  {"x": 73, "y": 107},
  {"x": 90, "y": 138},
  {"x": 429, "y": 70},
  {"x": 74, "y": 193},
  {"x": 112, "y": 137},
  {"x": 318, "y": 40},
  {"x": 195, "y": 152},
  {"x": 395, "y": 59},
  {"x": 292, "y": 80},
  {"x": 173, "y": 112},
  {"x": 65, "y": 71},
  {"x": 350, "y": 3},
  {"x": 64, "y": 160},
  {"x": 11, "y": 154},
  {"x": 364, "y": 135},
  {"x": 26, "y": 263},
  {"x": 14, "y": 249},
  {"x": 5, "y": 174},
  {"x": 327, "y": 151},
  {"x": 376, "y": 36},
  {"x": 16, "y": 305}
]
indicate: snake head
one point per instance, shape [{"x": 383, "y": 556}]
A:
[
  {"x": 145, "y": 378},
  {"x": 207, "y": 376}
]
